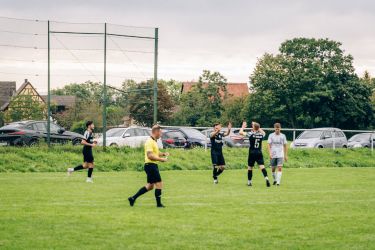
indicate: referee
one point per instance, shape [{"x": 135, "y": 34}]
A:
[{"x": 152, "y": 157}]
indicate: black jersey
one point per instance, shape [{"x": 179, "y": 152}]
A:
[
  {"x": 217, "y": 142},
  {"x": 255, "y": 139},
  {"x": 89, "y": 138}
]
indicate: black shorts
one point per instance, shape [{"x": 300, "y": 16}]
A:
[
  {"x": 217, "y": 158},
  {"x": 152, "y": 172},
  {"x": 88, "y": 156},
  {"x": 255, "y": 158}
]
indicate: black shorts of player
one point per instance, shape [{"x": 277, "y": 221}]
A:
[
  {"x": 255, "y": 157},
  {"x": 88, "y": 156},
  {"x": 152, "y": 172},
  {"x": 217, "y": 158}
]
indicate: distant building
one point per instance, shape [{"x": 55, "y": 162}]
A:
[
  {"x": 62, "y": 102},
  {"x": 7, "y": 90},
  {"x": 233, "y": 89},
  {"x": 25, "y": 89}
]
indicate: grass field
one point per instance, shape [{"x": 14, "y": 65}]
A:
[
  {"x": 58, "y": 158},
  {"x": 315, "y": 208}
]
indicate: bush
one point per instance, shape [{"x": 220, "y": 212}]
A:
[{"x": 79, "y": 127}]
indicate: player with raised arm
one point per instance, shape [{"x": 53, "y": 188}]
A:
[
  {"x": 256, "y": 136},
  {"x": 217, "y": 157},
  {"x": 88, "y": 158},
  {"x": 152, "y": 157},
  {"x": 278, "y": 150}
]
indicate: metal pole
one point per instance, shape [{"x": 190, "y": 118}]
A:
[
  {"x": 372, "y": 142},
  {"x": 156, "y": 75},
  {"x": 49, "y": 90},
  {"x": 334, "y": 140},
  {"x": 105, "y": 88},
  {"x": 294, "y": 135},
  {"x": 205, "y": 141}
]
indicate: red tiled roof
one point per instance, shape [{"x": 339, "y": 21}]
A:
[{"x": 234, "y": 89}]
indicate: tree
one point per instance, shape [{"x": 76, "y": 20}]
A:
[
  {"x": 25, "y": 107},
  {"x": 234, "y": 111},
  {"x": 312, "y": 83},
  {"x": 139, "y": 102},
  {"x": 203, "y": 105}
]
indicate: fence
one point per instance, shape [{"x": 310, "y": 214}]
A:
[
  {"x": 52, "y": 54},
  {"x": 294, "y": 132}
]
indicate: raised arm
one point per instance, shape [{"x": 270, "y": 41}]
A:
[
  {"x": 244, "y": 125},
  {"x": 214, "y": 133},
  {"x": 229, "y": 129},
  {"x": 262, "y": 132}
]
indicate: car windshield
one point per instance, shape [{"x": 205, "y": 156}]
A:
[
  {"x": 310, "y": 134},
  {"x": 115, "y": 132},
  {"x": 193, "y": 133},
  {"x": 360, "y": 137},
  {"x": 174, "y": 134}
]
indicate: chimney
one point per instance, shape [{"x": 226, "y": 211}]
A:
[{"x": 26, "y": 81}]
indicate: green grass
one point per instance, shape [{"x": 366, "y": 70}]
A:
[
  {"x": 315, "y": 208},
  {"x": 58, "y": 158}
]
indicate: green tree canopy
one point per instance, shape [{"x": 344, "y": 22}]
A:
[
  {"x": 309, "y": 83},
  {"x": 25, "y": 107}
]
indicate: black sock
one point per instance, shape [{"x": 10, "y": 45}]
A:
[
  {"x": 214, "y": 173},
  {"x": 158, "y": 196},
  {"x": 264, "y": 171},
  {"x": 249, "y": 174},
  {"x": 79, "y": 167},
  {"x": 89, "y": 172},
  {"x": 141, "y": 191},
  {"x": 219, "y": 171}
]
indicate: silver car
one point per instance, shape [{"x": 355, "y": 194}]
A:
[
  {"x": 321, "y": 138},
  {"x": 127, "y": 137},
  {"x": 362, "y": 140}
]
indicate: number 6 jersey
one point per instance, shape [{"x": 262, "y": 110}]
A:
[{"x": 255, "y": 139}]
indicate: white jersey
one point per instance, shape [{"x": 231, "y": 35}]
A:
[{"x": 277, "y": 143}]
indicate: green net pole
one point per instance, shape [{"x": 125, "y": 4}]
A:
[
  {"x": 48, "y": 89},
  {"x": 105, "y": 88},
  {"x": 156, "y": 75}
]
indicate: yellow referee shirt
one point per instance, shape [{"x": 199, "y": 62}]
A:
[{"x": 151, "y": 146}]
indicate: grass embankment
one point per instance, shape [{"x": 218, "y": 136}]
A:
[{"x": 58, "y": 158}]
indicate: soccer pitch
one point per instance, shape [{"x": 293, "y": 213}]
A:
[{"x": 314, "y": 208}]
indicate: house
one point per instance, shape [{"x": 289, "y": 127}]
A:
[
  {"x": 62, "y": 102},
  {"x": 25, "y": 89},
  {"x": 233, "y": 89},
  {"x": 7, "y": 90}
]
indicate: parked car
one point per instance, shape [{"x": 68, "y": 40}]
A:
[
  {"x": 173, "y": 139},
  {"x": 234, "y": 139},
  {"x": 32, "y": 132},
  {"x": 131, "y": 137},
  {"x": 194, "y": 138},
  {"x": 362, "y": 140},
  {"x": 321, "y": 138}
]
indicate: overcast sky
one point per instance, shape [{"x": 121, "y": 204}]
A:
[{"x": 225, "y": 36}]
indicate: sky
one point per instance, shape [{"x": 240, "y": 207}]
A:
[{"x": 225, "y": 36}]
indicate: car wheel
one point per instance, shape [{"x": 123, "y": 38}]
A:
[
  {"x": 345, "y": 146},
  {"x": 76, "y": 142},
  {"x": 113, "y": 145},
  {"x": 320, "y": 146},
  {"x": 33, "y": 143}
]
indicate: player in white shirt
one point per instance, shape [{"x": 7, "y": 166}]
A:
[{"x": 278, "y": 150}]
